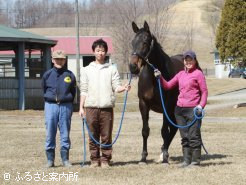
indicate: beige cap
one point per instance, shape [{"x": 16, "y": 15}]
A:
[{"x": 59, "y": 54}]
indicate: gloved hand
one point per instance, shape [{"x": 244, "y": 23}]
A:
[
  {"x": 198, "y": 109},
  {"x": 157, "y": 73}
]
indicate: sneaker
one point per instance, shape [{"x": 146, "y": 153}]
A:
[
  {"x": 105, "y": 165},
  {"x": 94, "y": 164}
]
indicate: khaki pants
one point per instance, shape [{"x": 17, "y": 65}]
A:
[{"x": 100, "y": 123}]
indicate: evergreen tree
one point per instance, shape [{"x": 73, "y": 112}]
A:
[{"x": 231, "y": 33}]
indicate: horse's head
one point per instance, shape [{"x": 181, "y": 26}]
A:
[{"x": 142, "y": 45}]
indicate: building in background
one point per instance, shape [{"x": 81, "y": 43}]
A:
[{"x": 21, "y": 69}]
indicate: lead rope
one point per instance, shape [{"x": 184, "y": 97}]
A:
[{"x": 84, "y": 123}]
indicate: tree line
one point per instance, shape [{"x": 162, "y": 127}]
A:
[
  {"x": 117, "y": 15},
  {"x": 114, "y": 15},
  {"x": 53, "y": 13}
]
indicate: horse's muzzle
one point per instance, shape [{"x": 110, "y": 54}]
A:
[{"x": 133, "y": 68}]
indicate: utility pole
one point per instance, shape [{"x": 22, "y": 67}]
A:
[{"x": 77, "y": 48}]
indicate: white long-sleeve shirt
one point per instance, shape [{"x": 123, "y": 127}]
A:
[{"x": 98, "y": 84}]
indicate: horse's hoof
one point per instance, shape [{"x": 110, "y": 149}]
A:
[
  {"x": 160, "y": 159},
  {"x": 166, "y": 164},
  {"x": 142, "y": 163}
]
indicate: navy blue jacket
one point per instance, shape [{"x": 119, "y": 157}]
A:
[{"x": 59, "y": 85}]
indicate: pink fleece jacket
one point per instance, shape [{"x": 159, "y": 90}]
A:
[{"x": 192, "y": 88}]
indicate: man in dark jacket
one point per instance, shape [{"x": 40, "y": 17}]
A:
[{"x": 59, "y": 89}]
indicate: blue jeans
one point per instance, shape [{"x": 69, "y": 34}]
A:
[{"x": 58, "y": 116}]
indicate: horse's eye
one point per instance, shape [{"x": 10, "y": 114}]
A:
[{"x": 145, "y": 44}]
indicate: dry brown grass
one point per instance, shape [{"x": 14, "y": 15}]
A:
[
  {"x": 219, "y": 86},
  {"x": 227, "y": 112},
  {"x": 22, "y": 150}
]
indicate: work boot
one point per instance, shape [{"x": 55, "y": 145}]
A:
[
  {"x": 50, "y": 154},
  {"x": 65, "y": 158},
  {"x": 196, "y": 157},
  {"x": 187, "y": 157}
]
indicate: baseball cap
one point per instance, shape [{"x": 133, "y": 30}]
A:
[
  {"x": 59, "y": 54},
  {"x": 189, "y": 53}
]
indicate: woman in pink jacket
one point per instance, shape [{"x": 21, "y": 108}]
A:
[{"x": 193, "y": 93}]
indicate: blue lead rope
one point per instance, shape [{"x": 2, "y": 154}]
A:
[
  {"x": 83, "y": 131},
  {"x": 196, "y": 116},
  {"x": 117, "y": 135}
]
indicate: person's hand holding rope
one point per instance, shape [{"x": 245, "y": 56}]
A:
[
  {"x": 157, "y": 73},
  {"x": 122, "y": 88},
  {"x": 198, "y": 109}
]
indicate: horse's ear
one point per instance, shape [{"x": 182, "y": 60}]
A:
[
  {"x": 135, "y": 27},
  {"x": 146, "y": 26}
]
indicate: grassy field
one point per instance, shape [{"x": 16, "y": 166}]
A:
[
  {"x": 22, "y": 152},
  {"x": 22, "y": 149}
]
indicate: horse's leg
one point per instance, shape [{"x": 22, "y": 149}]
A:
[
  {"x": 144, "y": 109},
  {"x": 168, "y": 132}
]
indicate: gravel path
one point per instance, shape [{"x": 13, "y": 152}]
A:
[{"x": 227, "y": 100}]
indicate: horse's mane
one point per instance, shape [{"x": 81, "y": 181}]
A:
[{"x": 162, "y": 60}]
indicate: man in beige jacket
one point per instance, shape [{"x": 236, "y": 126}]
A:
[{"x": 99, "y": 82}]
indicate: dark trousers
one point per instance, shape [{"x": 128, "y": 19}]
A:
[
  {"x": 100, "y": 122},
  {"x": 191, "y": 136}
]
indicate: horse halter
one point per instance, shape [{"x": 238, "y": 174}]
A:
[{"x": 146, "y": 57}]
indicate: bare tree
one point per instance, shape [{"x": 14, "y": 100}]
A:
[
  {"x": 27, "y": 13},
  {"x": 19, "y": 7},
  {"x": 213, "y": 16},
  {"x": 3, "y": 17},
  {"x": 159, "y": 17},
  {"x": 43, "y": 13},
  {"x": 189, "y": 33},
  {"x": 123, "y": 12},
  {"x": 32, "y": 13}
]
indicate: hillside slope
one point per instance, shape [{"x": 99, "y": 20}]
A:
[{"x": 188, "y": 18}]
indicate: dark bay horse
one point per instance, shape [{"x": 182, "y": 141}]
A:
[{"x": 146, "y": 50}]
